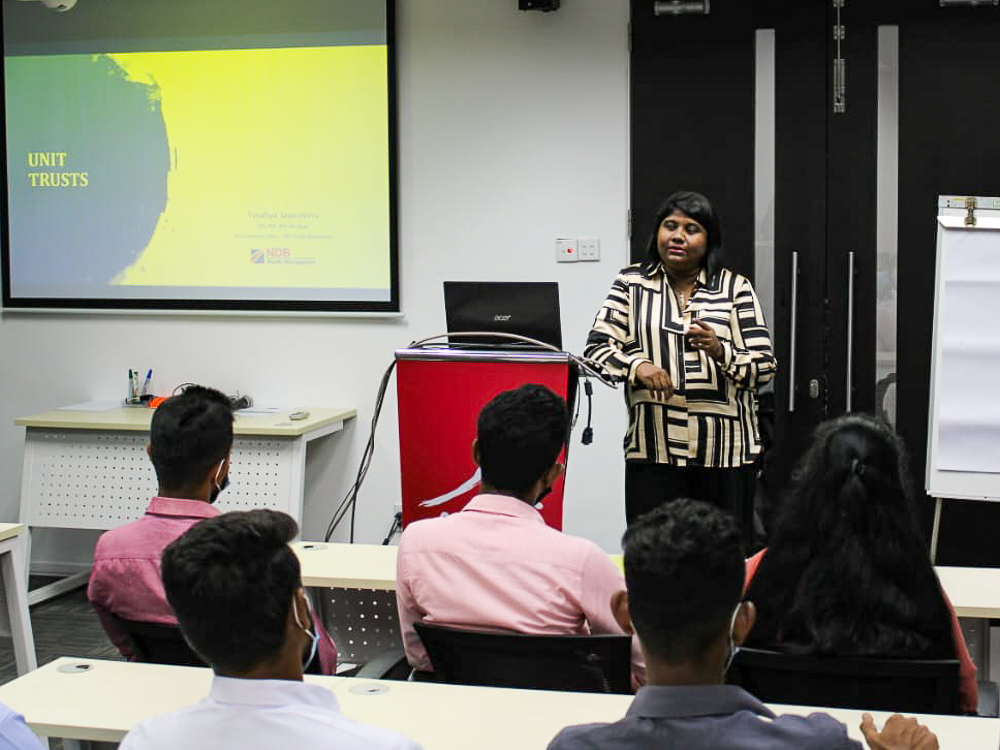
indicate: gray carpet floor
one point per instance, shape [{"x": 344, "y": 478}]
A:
[{"x": 64, "y": 626}]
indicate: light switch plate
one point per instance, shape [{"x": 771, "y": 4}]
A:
[{"x": 589, "y": 248}]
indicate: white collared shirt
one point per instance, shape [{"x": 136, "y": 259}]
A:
[{"x": 264, "y": 714}]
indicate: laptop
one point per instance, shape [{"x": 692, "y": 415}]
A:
[{"x": 527, "y": 308}]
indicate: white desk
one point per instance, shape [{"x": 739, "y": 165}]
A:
[
  {"x": 106, "y": 701},
  {"x": 953, "y": 732},
  {"x": 347, "y": 566},
  {"x": 12, "y": 567},
  {"x": 89, "y": 470},
  {"x": 975, "y": 595},
  {"x": 974, "y": 592}
]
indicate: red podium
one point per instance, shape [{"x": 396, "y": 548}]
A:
[{"x": 441, "y": 392}]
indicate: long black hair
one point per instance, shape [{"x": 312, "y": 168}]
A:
[
  {"x": 847, "y": 571},
  {"x": 695, "y": 206}
]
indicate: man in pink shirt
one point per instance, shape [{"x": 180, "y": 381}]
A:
[
  {"x": 496, "y": 565},
  {"x": 190, "y": 440}
]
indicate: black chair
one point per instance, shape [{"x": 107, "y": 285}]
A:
[
  {"x": 927, "y": 686},
  {"x": 159, "y": 644},
  {"x": 584, "y": 663},
  {"x": 155, "y": 643}
]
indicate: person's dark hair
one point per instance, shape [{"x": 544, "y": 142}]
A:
[
  {"x": 230, "y": 581},
  {"x": 520, "y": 435},
  {"x": 684, "y": 573},
  {"x": 847, "y": 571},
  {"x": 189, "y": 434},
  {"x": 699, "y": 208}
]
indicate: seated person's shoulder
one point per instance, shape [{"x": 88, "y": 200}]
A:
[
  {"x": 423, "y": 531},
  {"x": 817, "y": 730},
  {"x": 577, "y": 554},
  {"x": 114, "y": 542},
  {"x": 594, "y": 736},
  {"x": 14, "y": 733},
  {"x": 376, "y": 738},
  {"x": 313, "y": 722},
  {"x": 782, "y": 733},
  {"x": 155, "y": 732},
  {"x": 200, "y": 719},
  {"x": 586, "y": 549}
]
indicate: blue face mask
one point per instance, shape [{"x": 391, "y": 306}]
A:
[{"x": 313, "y": 636}]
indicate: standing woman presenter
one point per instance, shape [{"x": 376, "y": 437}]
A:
[{"x": 688, "y": 338}]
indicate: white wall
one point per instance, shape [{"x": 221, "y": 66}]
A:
[{"x": 513, "y": 130}]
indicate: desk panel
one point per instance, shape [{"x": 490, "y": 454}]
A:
[
  {"x": 90, "y": 470},
  {"x": 88, "y": 479}
]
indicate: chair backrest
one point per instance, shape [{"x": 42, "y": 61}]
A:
[
  {"x": 910, "y": 685},
  {"x": 160, "y": 644},
  {"x": 155, "y": 643},
  {"x": 585, "y": 663}
]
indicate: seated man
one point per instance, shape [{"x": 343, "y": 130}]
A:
[
  {"x": 496, "y": 565},
  {"x": 684, "y": 570},
  {"x": 190, "y": 439},
  {"x": 235, "y": 585},
  {"x": 15, "y": 734}
]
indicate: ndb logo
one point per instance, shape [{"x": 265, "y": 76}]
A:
[{"x": 256, "y": 256}]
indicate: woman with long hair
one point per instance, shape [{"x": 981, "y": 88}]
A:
[{"x": 847, "y": 571}]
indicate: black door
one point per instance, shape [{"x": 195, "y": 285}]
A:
[
  {"x": 946, "y": 62},
  {"x": 949, "y": 115},
  {"x": 693, "y": 127}
]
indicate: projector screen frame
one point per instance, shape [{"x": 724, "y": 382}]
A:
[{"x": 390, "y": 308}]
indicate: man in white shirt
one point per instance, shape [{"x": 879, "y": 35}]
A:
[{"x": 235, "y": 586}]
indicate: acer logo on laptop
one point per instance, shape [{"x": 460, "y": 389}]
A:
[{"x": 501, "y": 318}]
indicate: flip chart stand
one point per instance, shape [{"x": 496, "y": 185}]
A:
[{"x": 961, "y": 213}]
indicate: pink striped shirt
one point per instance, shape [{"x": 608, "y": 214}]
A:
[{"x": 496, "y": 565}]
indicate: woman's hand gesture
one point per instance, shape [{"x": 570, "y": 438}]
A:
[
  {"x": 655, "y": 379},
  {"x": 701, "y": 336}
]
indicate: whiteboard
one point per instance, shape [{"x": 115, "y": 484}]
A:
[{"x": 963, "y": 436}]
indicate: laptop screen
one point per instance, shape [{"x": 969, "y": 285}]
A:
[{"x": 527, "y": 308}]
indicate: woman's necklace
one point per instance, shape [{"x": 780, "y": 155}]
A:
[{"x": 683, "y": 295}]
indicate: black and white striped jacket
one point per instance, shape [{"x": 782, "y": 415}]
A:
[{"x": 711, "y": 420}]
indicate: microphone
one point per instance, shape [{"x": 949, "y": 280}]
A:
[{"x": 588, "y": 431}]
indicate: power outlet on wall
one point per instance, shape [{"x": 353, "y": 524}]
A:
[{"x": 566, "y": 250}]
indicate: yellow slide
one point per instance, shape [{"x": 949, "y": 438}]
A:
[{"x": 278, "y": 168}]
